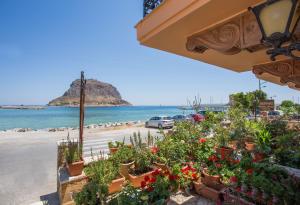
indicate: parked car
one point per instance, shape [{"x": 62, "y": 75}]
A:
[
  {"x": 180, "y": 118},
  {"x": 160, "y": 122},
  {"x": 197, "y": 117}
]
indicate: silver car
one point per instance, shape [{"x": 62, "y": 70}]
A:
[
  {"x": 160, "y": 122},
  {"x": 181, "y": 118}
]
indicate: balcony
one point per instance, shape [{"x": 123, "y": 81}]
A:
[
  {"x": 150, "y": 5},
  {"x": 217, "y": 32}
]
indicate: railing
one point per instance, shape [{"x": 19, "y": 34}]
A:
[{"x": 150, "y": 5}]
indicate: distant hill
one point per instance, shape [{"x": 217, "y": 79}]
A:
[{"x": 97, "y": 94}]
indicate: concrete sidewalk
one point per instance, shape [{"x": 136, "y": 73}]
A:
[{"x": 28, "y": 162}]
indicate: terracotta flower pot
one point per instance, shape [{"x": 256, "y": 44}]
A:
[
  {"x": 259, "y": 156},
  {"x": 206, "y": 191},
  {"x": 124, "y": 169},
  {"x": 225, "y": 152},
  {"x": 136, "y": 180},
  {"x": 75, "y": 169},
  {"x": 250, "y": 146},
  {"x": 116, "y": 185},
  {"x": 113, "y": 150},
  {"x": 210, "y": 180}
]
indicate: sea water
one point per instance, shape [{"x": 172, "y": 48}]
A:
[{"x": 54, "y": 117}]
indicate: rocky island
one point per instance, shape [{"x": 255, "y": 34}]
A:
[{"x": 97, "y": 94}]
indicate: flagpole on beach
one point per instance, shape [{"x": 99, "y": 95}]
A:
[{"x": 81, "y": 115}]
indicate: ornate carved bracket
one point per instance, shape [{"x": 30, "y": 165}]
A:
[
  {"x": 288, "y": 71},
  {"x": 232, "y": 37}
]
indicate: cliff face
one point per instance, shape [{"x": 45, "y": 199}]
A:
[{"x": 96, "y": 94}]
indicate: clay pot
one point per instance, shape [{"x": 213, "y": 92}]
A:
[
  {"x": 250, "y": 146},
  {"x": 116, "y": 185},
  {"x": 206, "y": 191},
  {"x": 162, "y": 166},
  {"x": 113, "y": 150},
  {"x": 75, "y": 168},
  {"x": 225, "y": 152},
  {"x": 210, "y": 180},
  {"x": 124, "y": 169},
  {"x": 136, "y": 180},
  {"x": 257, "y": 156}
]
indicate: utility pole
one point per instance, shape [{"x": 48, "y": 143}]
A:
[
  {"x": 260, "y": 84},
  {"x": 81, "y": 114}
]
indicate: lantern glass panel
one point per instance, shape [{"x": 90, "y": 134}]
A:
[{"x": 274, "y": 17}]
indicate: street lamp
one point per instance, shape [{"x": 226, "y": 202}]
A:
[{"x": 277, "y": 20}]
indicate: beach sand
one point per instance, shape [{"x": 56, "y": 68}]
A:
[{"x": 28, "y": 160}]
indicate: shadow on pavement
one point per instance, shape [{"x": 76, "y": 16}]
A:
[{"x": 50, "y": 199}]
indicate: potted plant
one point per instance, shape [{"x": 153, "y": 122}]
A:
[
  {"x": 114, "y": 146},
  {"x": 263, "y": 140},
  {"x": 106, "y": 172},
  {"x": 73, "y": 157},
  {"x": 142, "y": 167},
  {"x": 125, "y": 159},
  {"x": 157, "y": 188},
  {"x": 222, "y": 137}
]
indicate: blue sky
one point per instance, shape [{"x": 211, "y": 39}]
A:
[{"x": 44, "y": 44}]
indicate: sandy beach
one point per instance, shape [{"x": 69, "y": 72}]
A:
[{"x": 28, "y": 160}]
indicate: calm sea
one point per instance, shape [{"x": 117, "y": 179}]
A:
[{"x": 54, "y": 117}]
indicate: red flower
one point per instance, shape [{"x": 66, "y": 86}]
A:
[
  {"x": 233, "y": 179},
  {"x": 195, "y": 176},
  {"x": 154, "y": 150},
  {"x": 185, "y": 169},
  {"x": 152, "y": 180},
  {"x": 202, "y": 140},
  {"x": 193, "y": 169},
  {"x": 156, "y": 172},
  {"x": 213, "y": 158},
  {"x": 146, "y": 178},
  {"x": 172, "y": 177},
  {"x": 249, "y": 193},
  {"x": 218, "y": 165},
  {"x": 150, "y": 189},
  {"x": 249, "y": 171},
  {"x": 238, "y": 189},
  {"x": 143, "y": 184}
]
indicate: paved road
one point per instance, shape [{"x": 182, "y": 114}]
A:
[{"x": 28, "y": 162}]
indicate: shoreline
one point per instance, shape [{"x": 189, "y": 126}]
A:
[{"x": 100, "y": 126}]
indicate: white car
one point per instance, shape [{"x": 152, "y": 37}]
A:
[{"x": 160, "y": 122}]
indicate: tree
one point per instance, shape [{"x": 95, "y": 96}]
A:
[
  {"x": 287, "y": 107},
  {"x": 248, "y": 101}
]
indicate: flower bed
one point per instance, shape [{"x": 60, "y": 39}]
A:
[{"x": 189, "y": 159}]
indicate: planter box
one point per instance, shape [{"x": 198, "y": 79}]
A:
[
  {"x": 116, "y": 185},
  {"x": 234, "y": 199},
  {"x": 206, "y": 191},
  {"x": 210, "y": 180},
  {"x": 124, "y": 169},
  {"x": 75, "y": 169},
  {"x": 136, "y": 180}
]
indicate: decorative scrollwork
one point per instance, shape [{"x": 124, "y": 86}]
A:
[
  {"x": 288, "y": 71},
  {"x": 229, "y": 38}
]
